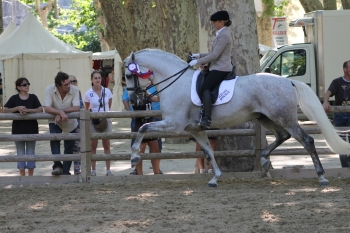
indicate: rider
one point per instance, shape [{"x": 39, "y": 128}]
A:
[{"x": 220, "y": 63}]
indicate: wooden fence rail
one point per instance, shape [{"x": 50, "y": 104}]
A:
[{"x": 85, "y": 136}]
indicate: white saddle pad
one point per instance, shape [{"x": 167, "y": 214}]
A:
[{"x": 225, "y": 90}]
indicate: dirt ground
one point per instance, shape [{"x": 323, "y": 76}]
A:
[
  {"x": 266, "y": 205},
  {"x": 237, "y": 205}
]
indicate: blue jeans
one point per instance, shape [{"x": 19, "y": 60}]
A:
[
  {"x": 25, "y": 148},
  {"x": 341, "y": 119},
  {"x": 56, "y": 148}
]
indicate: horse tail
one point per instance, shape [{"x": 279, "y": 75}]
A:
[{"x": 313, "y": 109}]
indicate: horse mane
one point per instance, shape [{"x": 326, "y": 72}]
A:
[{"x": 147, "y": 50}]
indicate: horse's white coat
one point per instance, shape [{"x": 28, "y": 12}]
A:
[{"x": 270, "y": 99}]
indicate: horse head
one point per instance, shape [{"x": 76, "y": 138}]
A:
[{"x": 136, "y": 81}]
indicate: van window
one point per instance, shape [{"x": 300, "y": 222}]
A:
[{"x": 290, "y": 63}]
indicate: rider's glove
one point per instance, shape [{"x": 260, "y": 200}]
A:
[
  {"x": 193, "y": 62},
  {"x": 195, "y": 55}
]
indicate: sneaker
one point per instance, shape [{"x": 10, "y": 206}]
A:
[
  {"x": 210, "y": 170},
  {"x": 201, "y": 170},
  {"x": 57, "y": 171},
  {"x": 109, "y": 173},
  {"x": 93, "y": 173},
  {"x": 134, "y": 172}
]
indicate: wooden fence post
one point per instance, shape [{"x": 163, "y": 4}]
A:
[
  {"x": 85, "y": 144},
  {"x": 260, "y": 143}
]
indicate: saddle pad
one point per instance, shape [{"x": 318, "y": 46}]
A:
[{"x": 225, "y": 91}]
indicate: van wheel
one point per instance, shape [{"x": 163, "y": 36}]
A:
[{"x": 344, "y": 160}]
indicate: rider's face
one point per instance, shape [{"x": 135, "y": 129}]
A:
[{"x": 218, "y": 24}]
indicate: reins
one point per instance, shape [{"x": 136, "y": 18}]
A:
[{"x": 181, "y": 72}]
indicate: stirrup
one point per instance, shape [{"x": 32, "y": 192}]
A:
[{"x": 204, "y": 122}]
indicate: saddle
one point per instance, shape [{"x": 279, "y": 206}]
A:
[{"x": 215, "y": 91}]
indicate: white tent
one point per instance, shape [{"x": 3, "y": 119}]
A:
[
  {"x": 118, "y": 90},
  {"x": 8, "y": 31},
  {"x": 32, "y": 52}
]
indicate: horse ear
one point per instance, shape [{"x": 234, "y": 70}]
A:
[{"x": 132, "y": 56}]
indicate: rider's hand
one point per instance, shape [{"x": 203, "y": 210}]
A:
[
  {"x": 195, "y": 55},
  {"x": 193, "y": 62}
]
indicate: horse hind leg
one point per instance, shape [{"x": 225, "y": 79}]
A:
[
  {"x": 203, "y": 141},
  {"x": 308, "y": 143},
  {"x": 281, "y": 136}
]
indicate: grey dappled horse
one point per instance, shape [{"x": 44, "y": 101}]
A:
[{"x": 270, "y": 99}]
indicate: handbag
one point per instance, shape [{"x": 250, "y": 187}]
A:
[{"x": 101, "y": 124}]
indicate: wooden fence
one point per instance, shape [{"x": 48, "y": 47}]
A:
[{"x": 86, "y": 157}]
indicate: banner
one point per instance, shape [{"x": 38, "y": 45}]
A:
[{"x": 279, "y": 31}]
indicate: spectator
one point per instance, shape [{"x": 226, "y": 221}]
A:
[
  {"x": 152, "y": 143},
  {"x": 73, "y": 81},
  {"x": 155, "y": 106},
  {"x": 24, "y": 103},
  {"x": 62, "y": 98},
  {"x": 111, "y": 81},
  {"x": 99, "y": 99},
  {"x": 340, "y": 88}
]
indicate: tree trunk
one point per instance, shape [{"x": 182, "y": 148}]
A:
[
  {"x": 57, "y": 12},
  {"x": 264, "y": 29},
  {"x": 44, "y": 12},
  {"x": 170, "y": 25},
  {"x": 346, "y": 4},
  {"x": 311, "y": 5},
  {"x": 246, "y": 59},
  {"x": 102, "y": 21},
  {"x": 1, "y": 20},
  {"x": 330, "y": 4}
]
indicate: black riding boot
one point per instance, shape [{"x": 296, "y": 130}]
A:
[{"x": 205, "y": 118}]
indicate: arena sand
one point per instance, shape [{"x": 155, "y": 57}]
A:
[{"x": 237, "y": 205}]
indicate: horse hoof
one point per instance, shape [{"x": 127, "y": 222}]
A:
[
  {"x": 212, "y": 185},
  {"x": 135, "y": 161},
  {"x": 266, "y": 165},
  {"x": 324, "y": 182}
]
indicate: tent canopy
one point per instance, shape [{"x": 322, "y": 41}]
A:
[
  {"x": 8, "y": 31},
  {"x": 32, "y": 40},
  {"x": 107, "y": 55},
  {"x": 32, "y": 52}
]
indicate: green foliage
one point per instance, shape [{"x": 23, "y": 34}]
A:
[
  {"x": 81, "y": 13},
  {"x": 274, "y": 10}
]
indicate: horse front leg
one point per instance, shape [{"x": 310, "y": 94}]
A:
[
  {"x": 158, "y": 126},
  {"x": 202, "y": 139}
]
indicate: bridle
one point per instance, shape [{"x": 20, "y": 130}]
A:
[{"x": 136, "y": 74}]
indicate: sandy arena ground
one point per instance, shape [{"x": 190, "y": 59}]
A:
[{"x": 237, "y": 205}]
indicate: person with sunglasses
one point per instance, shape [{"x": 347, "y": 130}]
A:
[
  {"x": 24, "y": 103},
  {"x": 62, "y": 98},
  {"x": 73, "y": 81},
  {"x": 99, "y": 99}
]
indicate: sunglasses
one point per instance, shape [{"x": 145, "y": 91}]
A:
[
  {"x": 73, "y": 81},
  {"x": 24, "y": 85},
  {"x": 66, "y": 85}
]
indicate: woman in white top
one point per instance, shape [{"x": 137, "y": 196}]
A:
[{"x": 95, "y": 103}]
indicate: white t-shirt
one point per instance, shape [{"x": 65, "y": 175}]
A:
[{"x": 92, "y": 98}]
